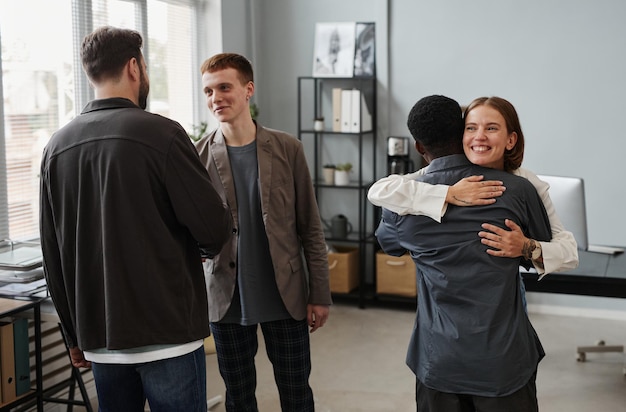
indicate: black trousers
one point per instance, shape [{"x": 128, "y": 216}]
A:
[
  {"x": 523, "y": 400},
  {"x": 288, "y": 348}
]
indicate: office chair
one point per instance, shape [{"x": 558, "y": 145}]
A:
[{"x": 600, "y": 346}]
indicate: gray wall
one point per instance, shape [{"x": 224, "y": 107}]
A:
[{"x": 562, "y": 64}]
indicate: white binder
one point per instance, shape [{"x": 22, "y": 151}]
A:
[
  {"x": 336, "y": 109},
  {"x": 346, "y": 111},
  {"x": 361, "y": 119}
]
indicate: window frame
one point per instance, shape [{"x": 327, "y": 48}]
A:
[{"x": 83, "y": 24}]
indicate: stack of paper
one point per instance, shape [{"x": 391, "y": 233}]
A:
[
  {"x": 21, "y": 276},
  {"x": 13, "y": 289}
]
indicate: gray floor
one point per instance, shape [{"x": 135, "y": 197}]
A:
[{"x": 358, "y": 364}]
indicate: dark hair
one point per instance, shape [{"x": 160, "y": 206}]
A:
[
  {"x": 512, "y": 158},
  {"x": 437, "y": 123},
  {"x": 229, "y": 61},
  {"x": 106, "y": 50}
]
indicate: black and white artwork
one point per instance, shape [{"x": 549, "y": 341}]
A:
[
  {"x": 334, "y": 49},
  {"x": 364, "y": 56}
]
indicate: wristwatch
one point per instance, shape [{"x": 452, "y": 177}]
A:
[
  {"x": 536, "y": 250},
  {"x": 531, "y": 250}
]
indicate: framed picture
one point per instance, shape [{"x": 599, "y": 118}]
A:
[
  {"x": 365, "y": 47},
  {"x": 334, "y": 49}
]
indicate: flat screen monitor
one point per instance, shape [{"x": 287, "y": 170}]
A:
[{"x": 568, "y": 197}]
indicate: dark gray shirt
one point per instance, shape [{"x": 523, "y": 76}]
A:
[
  {"x": 472, "y": 335},
  {"x": 125, "y": 203},
  {"x": 256, "y": 297}
]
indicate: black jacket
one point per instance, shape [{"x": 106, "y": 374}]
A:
[{"x": 125, "y": 206}]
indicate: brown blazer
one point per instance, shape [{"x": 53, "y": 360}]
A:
[{"x": 291, "y": 219}]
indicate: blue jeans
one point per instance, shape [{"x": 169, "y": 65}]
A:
[
  {"x": 169, "y": 385},
  {"x": 522, "y": 287}
]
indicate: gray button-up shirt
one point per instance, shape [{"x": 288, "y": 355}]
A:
[{"x": 472, "y": 335}]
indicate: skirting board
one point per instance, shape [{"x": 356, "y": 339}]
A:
[{"x": 574, "y": 305}]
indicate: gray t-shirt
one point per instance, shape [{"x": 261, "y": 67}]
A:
[{"x": 256, "y": 298}]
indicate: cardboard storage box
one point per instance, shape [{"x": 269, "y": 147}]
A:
[
  {"x": 395, "y": 275},
  {"x": 344, "y": 269}
]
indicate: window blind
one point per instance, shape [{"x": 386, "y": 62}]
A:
[{"x": 43, "y": 87}]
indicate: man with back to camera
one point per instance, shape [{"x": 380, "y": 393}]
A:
[
  {"x": 126, "y": 206},
  {"x": 260, "y": 277},
  {"x": 473, "y": 347}
]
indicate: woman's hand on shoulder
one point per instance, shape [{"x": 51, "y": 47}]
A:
[{"x": 474, "y": 191}]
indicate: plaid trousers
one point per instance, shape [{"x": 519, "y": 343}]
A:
[{"x": 288, "y": 349}]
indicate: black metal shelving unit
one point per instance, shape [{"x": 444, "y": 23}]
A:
[{"x": 311, "y": 91}]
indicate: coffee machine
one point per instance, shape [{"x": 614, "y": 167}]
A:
[{"x": 398, "y": 159}]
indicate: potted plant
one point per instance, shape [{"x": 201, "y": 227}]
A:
[
  {"x": 342, "y": 174},
  {"x": 254, "y": 111},
  {"x": 198, "y": 131},
  {"x": 328, "y": 171}
]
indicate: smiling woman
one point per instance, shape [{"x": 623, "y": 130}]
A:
[
  {"x": 493, "y": 138},
  {"x": 493, "y": 134},
  {"x": 486, "y": 137}
]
